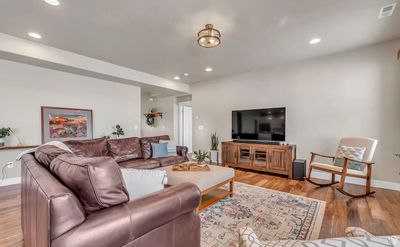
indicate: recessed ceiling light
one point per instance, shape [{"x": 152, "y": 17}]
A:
[
  {"x": 35, "y": 35},
  {"x": 315, "y": 41},
  {"x": 177, "y": 78},
  {"x": 53, "y": 2},
  {"x": 185, "y": 74},
  {"x": 387, "y": 11},
  {"x": 208, "y": 69}
]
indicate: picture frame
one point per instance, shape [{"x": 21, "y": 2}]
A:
[{"x": 62, "y": 124}]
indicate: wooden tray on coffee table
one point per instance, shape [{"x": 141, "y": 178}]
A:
[{"x": 191, "y": 167}]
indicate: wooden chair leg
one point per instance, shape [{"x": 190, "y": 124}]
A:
[
  {"x": 309, "y": 172},
  {"x": 231, "y": 187},
  {"x": 308, "y": 178},
  {"x": 367, "y": 185},
  {"x": 343, "y": 175},
  {"x": 333, "y": 178}
]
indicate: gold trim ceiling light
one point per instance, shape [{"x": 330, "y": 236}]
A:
[{"x": 209, "y": 37}]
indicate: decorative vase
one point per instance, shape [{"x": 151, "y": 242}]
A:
[
  {"x": 214, "y": 156},
  {"x": 2, "y": 141}
]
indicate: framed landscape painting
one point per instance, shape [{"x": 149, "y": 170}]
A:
[{"x": 62, "y": 124}]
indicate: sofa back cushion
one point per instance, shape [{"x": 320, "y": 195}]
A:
[
  {"x": 145, "y": 142},
  {"x": 47, "y": 152},
  {"x": 97, "y": 181},
  {"x": 125, "y": 149},
  {"x": 89, "y": 148}
]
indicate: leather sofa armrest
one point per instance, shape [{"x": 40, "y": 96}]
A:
[
  {"x": 152, "y": 211},
  {"x": 131, "y": 220},
  {"x": 182, "y": 151}
]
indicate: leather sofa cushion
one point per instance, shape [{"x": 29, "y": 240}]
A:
[
  {"x": 46, "y": 153},
  {"x": 140, "y": 164},
  {"x": 125, "y": 149},
  {"x": 97, "y": 181},
  {"x": 171, "y": 160},
  {"x": 89, "y": 148}
]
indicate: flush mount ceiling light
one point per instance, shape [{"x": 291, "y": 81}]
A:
[
  {"x": 208, "y": 69},
  {"x": 53, "y": 2},
  {"x": 209, "y": 37},
  {"x": 185, "y": 74},
  {"x": 35, "y": 35},
  {"x": 177, "y": 78},
  {"x": 315, "y": 41}
]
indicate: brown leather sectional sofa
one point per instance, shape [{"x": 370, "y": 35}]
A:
[{"x": 55, "y": 194}]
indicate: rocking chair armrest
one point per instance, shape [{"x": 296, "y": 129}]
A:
[
  {"x": 322, "y": 155},
  {"x": 362, "y": 162}
]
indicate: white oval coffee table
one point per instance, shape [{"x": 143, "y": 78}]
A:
[{"x": 206, "y": 181}]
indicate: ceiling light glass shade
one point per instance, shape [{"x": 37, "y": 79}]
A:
[
  {"x": 52, "y": 2},
  {"x": 35, "y": 35},
  {"x": 315, "y": 41},
  {"x": 209, "y": 37}
]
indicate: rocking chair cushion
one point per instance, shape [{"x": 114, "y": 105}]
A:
[
  {"x": 337, "y": 169},
  {"x": 355, "y": 153}
]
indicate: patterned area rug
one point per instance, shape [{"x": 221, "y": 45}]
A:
[{"x": 272, "y": 214}]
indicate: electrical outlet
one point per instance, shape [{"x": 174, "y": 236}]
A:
[{"x": 10, "y": 165}]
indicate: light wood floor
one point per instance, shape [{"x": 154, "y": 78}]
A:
[{"x": 379, "y": 214}]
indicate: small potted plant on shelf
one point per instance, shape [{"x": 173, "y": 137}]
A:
[
  {"x": 4, "y": 132},
  {"x": 201, "y": 156},
  {"x": 214, "y": 148},
  {"x": 118, "y": 131}
]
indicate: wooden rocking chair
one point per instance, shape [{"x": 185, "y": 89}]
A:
[{"x": 346, "y": 171}]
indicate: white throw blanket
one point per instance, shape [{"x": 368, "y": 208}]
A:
[
  {"x": 58, "y": 144},
  {"x": 140, "y": 182}
]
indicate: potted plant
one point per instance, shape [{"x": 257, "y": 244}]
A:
[
  {"x": 201, "y": 156},
  {"x": 4, "y": 132},
  {"x": 118, "y": 131},
  {"x": 214, "y": 148}
]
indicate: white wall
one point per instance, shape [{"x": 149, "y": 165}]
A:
[
  {"x": 353, "y": 93},
  {"x": 25, "y": 88},
  {"x": 168, "y": 125}
]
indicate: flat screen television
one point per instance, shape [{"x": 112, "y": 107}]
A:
[{"x": 259, "y": 124}]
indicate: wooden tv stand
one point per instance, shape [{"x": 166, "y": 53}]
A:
[{"x": 260, "y": 157}]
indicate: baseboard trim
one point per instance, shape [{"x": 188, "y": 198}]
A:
[
  {"x": 359, "y": 181},
  {"x": 10, "y": 181}
]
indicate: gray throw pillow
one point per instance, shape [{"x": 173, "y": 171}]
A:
[{"x": 159, "y": 150}]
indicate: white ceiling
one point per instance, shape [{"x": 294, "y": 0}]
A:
[{"x": 159, "y": 37}]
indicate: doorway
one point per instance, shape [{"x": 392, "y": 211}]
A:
[{"x": 185, "y": 124}]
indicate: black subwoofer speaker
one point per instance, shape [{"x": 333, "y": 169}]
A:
[{"x": 299, "y": 169}]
